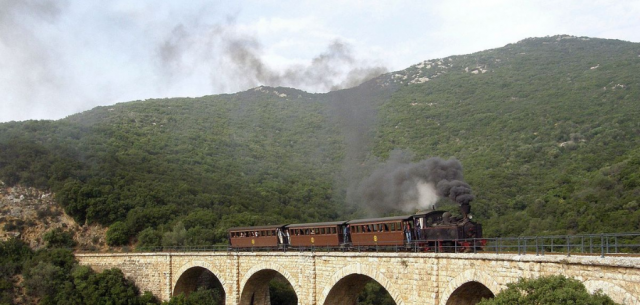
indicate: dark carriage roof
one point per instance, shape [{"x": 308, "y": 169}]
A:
[
  {"x": 255, "y": 228},
  {"x": 429, "y": 213},
  {"x": 383, "y": 219},
  {"x": 317, "y": 224}
]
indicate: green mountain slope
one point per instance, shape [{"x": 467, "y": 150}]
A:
[{"x": 546, "y": 129}]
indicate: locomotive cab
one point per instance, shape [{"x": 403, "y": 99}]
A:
[{"x": 442, "y": 232}]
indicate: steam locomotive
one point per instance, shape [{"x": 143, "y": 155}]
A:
[{"x": 436, "y": 231}]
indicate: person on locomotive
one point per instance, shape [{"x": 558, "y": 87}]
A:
[{"x": 407, "y": 232}]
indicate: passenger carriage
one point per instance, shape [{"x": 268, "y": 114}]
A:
[
  {"x": 320, "y": 234},
  {"x": 260, "y": 236},
  {"x": 387, "y": 231}
]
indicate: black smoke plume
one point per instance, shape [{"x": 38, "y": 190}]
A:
[
  {"x": 230, "y": 54},
  {"x": 401, "y": 185}
]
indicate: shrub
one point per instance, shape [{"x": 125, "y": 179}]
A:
[{"x": 556, "y": 289}]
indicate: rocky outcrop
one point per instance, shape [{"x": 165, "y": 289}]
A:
[{"x": 28, "y": 213}]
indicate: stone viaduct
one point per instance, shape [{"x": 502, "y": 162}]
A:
[{"x": 332, "y": 278}]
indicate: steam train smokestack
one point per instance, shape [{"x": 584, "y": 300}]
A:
[{"x": 402, "y": 185}]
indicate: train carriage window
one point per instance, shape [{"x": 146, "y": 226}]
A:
[
  {"x": 333, "y": 230},
  {"x": 316, "y": 231},
  {"x": 321, "y": 230},
  {"x": 393, "y": 226}
]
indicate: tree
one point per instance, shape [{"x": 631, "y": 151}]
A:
[
  {"x": 200, "y": 296},
  {"x": 58, "y": 238},
  {"x": 175, "y": 237},
  {"x": 118, "y": 234},
  {"x": 556, "y": 289}
]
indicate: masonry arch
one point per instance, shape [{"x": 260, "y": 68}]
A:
[
  {"x": 616, "y": 293},
  {"x": 197, "y": 274},
  {"x": 341, "y": 286},
  {"x": 469, "y": 287},
  {"x": 254, "y": 286}
]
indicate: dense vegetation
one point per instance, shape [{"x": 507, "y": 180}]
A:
[
  {"x": 547, "y": 291},
  {"x": 53, "y": 276},
  {"x": 546, "y": 129},
  {"x": 548, "y": 135}
]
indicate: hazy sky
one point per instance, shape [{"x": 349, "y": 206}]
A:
[{"x": 62, "y": 57}]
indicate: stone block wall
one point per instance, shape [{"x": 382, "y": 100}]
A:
[
  {"x": 333, "y": 277},
  {"x": 149, "y": 271}
]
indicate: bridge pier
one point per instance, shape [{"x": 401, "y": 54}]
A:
[{"x": 329, "y": 278}]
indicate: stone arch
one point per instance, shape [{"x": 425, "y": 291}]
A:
[
  {"x": 191, "y": 269},
  {"x": 465, "y": 278},
  {"x": 269, "y": 270},
  {"x": 616, "y": 293},
  {"x": 359, "y": 269}
]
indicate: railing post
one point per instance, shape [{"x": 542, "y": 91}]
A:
[
  {"x": 518, "y": 239},
  {"x": 568, "y": 246},
  {"x": 537, "y": 246},
  {"x": 601, "y": 245},
  {"x": 524, "y": 250}
]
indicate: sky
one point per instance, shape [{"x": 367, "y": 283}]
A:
[{"x": 60, "y": 57}]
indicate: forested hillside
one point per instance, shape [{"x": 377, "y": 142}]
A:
[{"x": 547, "y": 130}]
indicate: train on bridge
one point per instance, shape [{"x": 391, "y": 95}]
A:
[{"x": 436, "y": 231}]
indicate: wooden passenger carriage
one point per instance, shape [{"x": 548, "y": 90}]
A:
[
  {"x": 387, "y": 231},
  {"x": 320, "y": 234},
  {"x": 262, "y": 236}
]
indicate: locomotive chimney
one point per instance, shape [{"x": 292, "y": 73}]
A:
[{"x": 465, "y": 209}]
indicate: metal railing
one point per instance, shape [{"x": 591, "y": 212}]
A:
[
  {"x": 592, "y": 244},
  {"x": 611, "y": 244}
]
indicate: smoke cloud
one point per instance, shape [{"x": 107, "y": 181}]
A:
[
  {"x": 24, "y": 58},
  {"x": 401, "y": 185},
  {"x": 227, "y": 52}
]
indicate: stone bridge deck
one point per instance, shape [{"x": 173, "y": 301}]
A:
[{"x": 332, "y": 278}]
